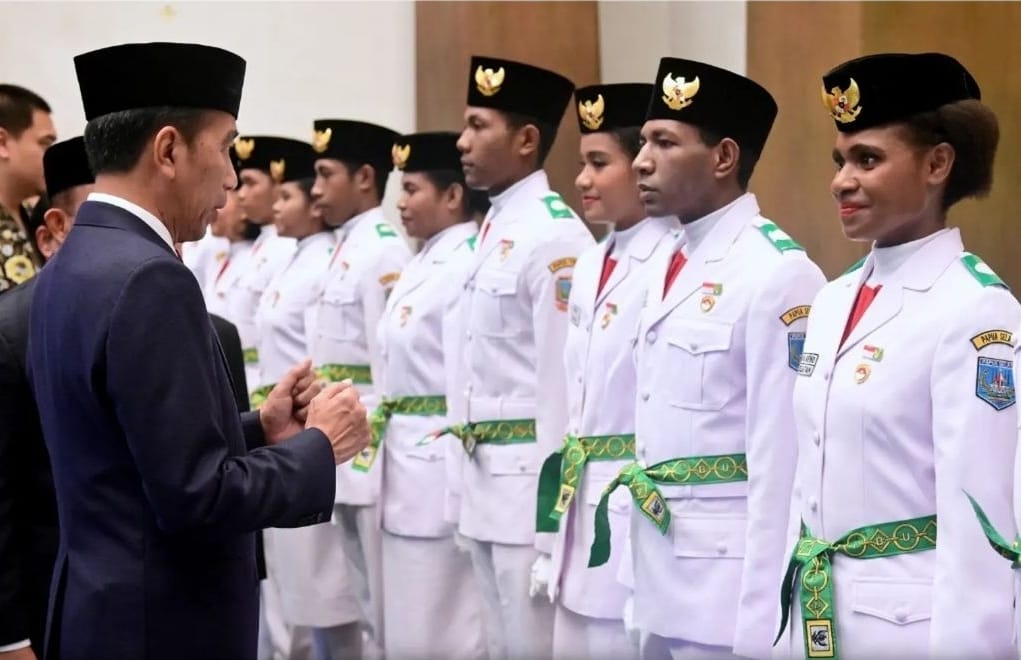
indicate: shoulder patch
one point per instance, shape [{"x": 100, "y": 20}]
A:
[
  {"x": 981, "y": 271},
  {"x": 994, "y": 383},
  {"x": 557, "y": 207},
  {"x": 566, "y": 262},
  {"x": 856, "y": 265},
  {"x": 389, "y": 278},
  {"x": 471, "y": 240},
  {"x": 385, "y": 231},
  {"x": 795, "y": 313},
  {"x": 780, "y": 239},
  {"x": 983, "y": 339}
]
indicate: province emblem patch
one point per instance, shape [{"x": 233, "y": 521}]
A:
[
  {"x": 994, "y": 382},
  {"x": 795, "y": 347}
]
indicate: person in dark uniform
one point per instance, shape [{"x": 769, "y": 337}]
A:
[
  {"x": 160, "y": 483},
  {"x": 28, "y": 507}
]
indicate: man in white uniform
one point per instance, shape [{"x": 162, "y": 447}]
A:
[
  {"x": 511, "y": 370},
  {"x": 353, "y": 160},
  {"x": 717, "y": 354}
]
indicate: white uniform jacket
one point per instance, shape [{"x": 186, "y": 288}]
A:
[
  {"x": 412, "y": 346},
  {"x": 204, "y": 256},
  {"x": 516, "y": 320},
  {"x": 599, "y": 358},
  {"x": 223, "y": 284},
  {"x": 717, "y": 360},
  {"x": 269, "y": 254},
  {"x": 914, "y": 409},
  {"x": 342, "y": 327}
]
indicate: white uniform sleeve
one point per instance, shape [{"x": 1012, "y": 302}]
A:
[
  {"x": 375, "y": 286},
  {"x": 770, "y": 446},
  {"x": 974, "y": 443},
  {"x": 545, "y": 278}
]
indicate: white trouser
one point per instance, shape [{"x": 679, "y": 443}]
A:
[
  {"x": 278, "y": 640},
  {"x": 579, "y": 636},
  {"x": 362, "y": 542},
  {"x": 517, "y": 627},
  {"x": 431, "y": 602}
]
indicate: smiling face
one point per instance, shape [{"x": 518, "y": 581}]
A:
[
  {"x": 608, "y": 185},
  {"x": 887, "y": 189}
]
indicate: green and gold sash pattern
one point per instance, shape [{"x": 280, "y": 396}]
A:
[
  {"x": 251, "y": 356},
  {"x": 1010, "y": 551},
  {"x": 562, "y": 470},
  {"x": 258, "y": 396},
  {"x": 811, "y": 572},
  {"x": 497, "y": 432},
  {"x": 642, "y": 482},
  {"x": 360, "y": 374},
  {"x": 422, "y": 406}
]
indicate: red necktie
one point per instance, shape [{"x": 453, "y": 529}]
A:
[
  {"x": 226, "y": 262},
  {"x": 336, "y": 251},
  {"x": 609, "y": 263},
  {"x": 485, "y": 230},
  {"x": 676, "y": 264},
  {"x": 866, "y": 294}
]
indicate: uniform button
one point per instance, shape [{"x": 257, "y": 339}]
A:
[
  {"x": 826, "y": 375},
  {"x": 721, "y": 548},
  {"x": 901, "y": 614},
  {"x": 816, "y": 438},
  {"x": 813, "y": 504},
  {"x": 693, "y": 346},
  {"x": 645, "y": 396},
  {"x": 651, "y": 336},
  {"x": 522, "y": 467},
  {"x": 579, "y": 379}
]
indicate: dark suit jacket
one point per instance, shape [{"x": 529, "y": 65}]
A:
[
  {"x": 159, "y": 488},
  {"x": 28, "y": 506}
]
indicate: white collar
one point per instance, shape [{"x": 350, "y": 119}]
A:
[
  {"x": 148, "y": 218},
  {"x": 499, "y": 201},
  {"x": 696, "y": 231},
  {"x": 887, "y": 260},
  {"x": 344, "y": 231}
]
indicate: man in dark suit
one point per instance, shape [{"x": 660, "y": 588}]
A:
[
  {"x": 160, "y": 483},
  {"x": 28, "y": 507}
]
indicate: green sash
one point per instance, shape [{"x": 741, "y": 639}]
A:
[
  {"x": 562, "y": 471},
  {"x": 1010, "y": 551},
  {"x": 811, "y": 572},
  {"x": 691, "y": 471},
  {"x": 250, "y": 355},
  {"x": 360, "y": 374},
  {"x": 497, "y": 432},
  {"x": 423, "y": 406}
]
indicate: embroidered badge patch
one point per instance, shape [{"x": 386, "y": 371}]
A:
[
  {"x": 707, "y": 303},
  {"x": 563, "y": 292},
  {"x": 819, "y": 638},
  {"x": 611, "y": 311},
  {"x": 795, "y": 347},
  {"x": 712, "y": 288},
  {"x": 862, "y": 373},
  {"x": 988, "y": 337},
  {"x": 389, "y": 278},
  {"x": 506, "y": 245},
  {"x": 559, "y": 264},
  {"x": 994, "y": 382},
  {"x": 384, "y": 230},
  {"x": 564, "y": 498},
  {"x": 405, "y": 315},
  {"x": 655, "y": 507},
  {"x": 807, "y": 364},
  {"x": 874, "y": 353},
  {"x": 795, "y": 313}
]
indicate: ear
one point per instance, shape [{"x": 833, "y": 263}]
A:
[
  {"x": 527, "y": 140},
  {"x": 726, "y": 156},
  {"x": 5, "y": 139},
  {"x": 56, "y": 221},
  {"x": 453, "y": 197},
  {"x": 939, "y": 163},
  {"x": 166, "y": 150},
  {"x": 365, "y": 179}
]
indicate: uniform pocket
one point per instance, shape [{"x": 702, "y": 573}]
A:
[
  {"x": 337, "y": 317},
  {"x": 896, "y": 601},
  {"x": 718, "y": 537},
  {"x": 510, "y": 459},
  {"x": 698, "y": 372},
  {"x": 494, "y": 308}
]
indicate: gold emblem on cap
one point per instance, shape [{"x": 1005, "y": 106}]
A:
[
  {"x": 487, "y": 81},
  {"x": 321, "y": 140},
  {"x": 591, "y": 113},
  {"x": 243, "y": 148},
  {"x": 400, "y": 155},
  {"x": 842, "y": 104},
  {"x": 277, "y": 169},
  {"x": 678, "y": 93}
]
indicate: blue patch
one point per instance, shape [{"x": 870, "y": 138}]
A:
[
  {"x": 994, "y": 382},
  {"x": 795, "y": 347}
]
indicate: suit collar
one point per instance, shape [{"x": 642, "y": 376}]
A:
[{"x": 95, "y": 213}]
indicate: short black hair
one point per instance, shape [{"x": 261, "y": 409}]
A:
[
  {"x": 629, "y": 138},
  {"x": 305, "y": 186},
  {"x": 34, "y": 220},
  {"x": 746, "y": 160},
  {"x": 380, "y": 173},
  {"x": 114, "y": 142},
  {"x": 547, "y": 131},
  {"x": 472, "y": 201},
  {"x": 16, "y": 107}
]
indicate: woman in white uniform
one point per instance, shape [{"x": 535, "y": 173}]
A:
[
  {"x": 431, "y": 606},
  {"x": 230, "y": 225},
  {"x": 905, "y": 396},
  {"x": 610, "y": 282},
  {"x": 305, "y": 563}
]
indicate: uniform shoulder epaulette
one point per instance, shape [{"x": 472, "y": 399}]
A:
[
  {"x": 385, "y": 231},
  {"x": 557, "y": 207},
  {"x": 780, "y": 239},
  {"x": 470, "y": 242},
  {"x": 855, "y": 266},
  {"x": 981, "y": 271}
]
